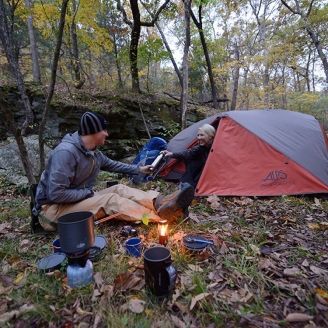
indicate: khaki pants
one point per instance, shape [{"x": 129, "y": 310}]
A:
[{"x": 132, "y": 204}]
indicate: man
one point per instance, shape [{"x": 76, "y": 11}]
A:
[{"x": 67, "y": 183}]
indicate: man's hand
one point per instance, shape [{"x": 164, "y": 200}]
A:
[{"x": 147, "y": 169}]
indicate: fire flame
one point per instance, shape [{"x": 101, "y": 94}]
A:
[{"x": 162, "y": 229}]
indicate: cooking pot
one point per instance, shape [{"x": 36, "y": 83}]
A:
[{"x": 76, "y": 232}]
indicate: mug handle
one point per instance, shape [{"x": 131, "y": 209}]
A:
[{"x": 172, "y": 274}]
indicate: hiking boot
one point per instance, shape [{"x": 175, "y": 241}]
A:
[{"x": 175, "y": 205}]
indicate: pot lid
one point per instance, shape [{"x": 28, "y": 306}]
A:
[
  {"x": 195, "y": 242},
  {"x": 51, "y": 262},
  {"x": 100, "y": 241},
  {"x": 95, "y": 251}
]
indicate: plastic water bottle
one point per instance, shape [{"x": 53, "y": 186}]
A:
[{"x": 79, "y": 276}]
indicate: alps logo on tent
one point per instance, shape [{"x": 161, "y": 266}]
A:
[{"x": 275, "y": 178}]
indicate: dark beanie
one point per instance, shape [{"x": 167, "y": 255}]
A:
[{"x": 92, "y": 123}]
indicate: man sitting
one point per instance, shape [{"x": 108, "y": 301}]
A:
[{"x": 66, "y": 185}]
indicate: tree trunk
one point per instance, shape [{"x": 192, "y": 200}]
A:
[
  {"x": 318, "y": 46},
  {"x": 75, "y": 49},
  {"x": 235, "y": 79},
  {"x": 135, "y": 36},
  {"x": 199, "y": 25},
  {"x": 8, "y": 46},
  {"x": 34, "y": 50},
  {"x": 117, "y": 63},
  {"x": 52, "y": 82},
  {"x": 185, "y": 68}
]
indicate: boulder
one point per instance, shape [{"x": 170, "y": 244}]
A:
[{"x": 10, "y": 164}]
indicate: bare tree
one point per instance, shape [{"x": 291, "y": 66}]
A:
[
  {"x": 304, "y": 15},
  {"x": 6, "y": 37},
  {"x": 76, "y": 64},
  {"x": 199, "y": 25},
  {"x": 53, "y": 77},
  {"x": 135, "y": 35},
  {"x": 235, "y": 78},
  {"x": 185, "y": 68},
  {"x": 34, "y": 49}
]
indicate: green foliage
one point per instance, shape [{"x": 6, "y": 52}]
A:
[{"x": 171, "y": 129}]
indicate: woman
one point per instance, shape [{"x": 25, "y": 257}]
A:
[{"x": 195, "y": 157}]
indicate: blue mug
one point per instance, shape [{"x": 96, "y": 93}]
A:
[
  {"x": 133, "y": 246},
  {"x": 56, "y": 246}
]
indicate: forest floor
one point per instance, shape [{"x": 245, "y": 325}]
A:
[{"x": 268, "y": 268}]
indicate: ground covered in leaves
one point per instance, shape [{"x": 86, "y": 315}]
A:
[{"x": 268, "y": 268}]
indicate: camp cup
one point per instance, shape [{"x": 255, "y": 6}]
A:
[
  {"x": 56, "y": 246},
  {"x": 133, "y": 246},
  {"x": 160, "y": 274},
  {"x": 76, "y": 232}
]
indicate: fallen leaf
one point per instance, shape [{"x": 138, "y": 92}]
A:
[
  {"x": 314, "y": 226},
  {"x": 255, "y": 249},
  {"x": 16, "y": 313},
  {"x": 305, "y": 263},
  {"x": 266, "y": 264},
  {"x": 214, "y": 202},
  {"x": 177, "y": 322},
  {"x": 98, "y": 279},
  {"x": 179, "y": 235},
  {"x": 195, "y": 268},
  {"x": 24, "y": 242},
  {"x": 322, "y": 293},
  {"x": 19, "y": 278},
  {"x": 194, "y": 217},
  {"x": 126, "y": 281},
  {"x": 95, "y": 295},
  {"x": 145, "y": 219},
  {"x": 224, "y": 249},
  {"x": 5, "y": 227},
  {"x": 135, "y": 305},
  {"x": 198, "y": 298},
  {"x": 298, "y": 317},
  {"x": 317, "y": 270},
  {"x": 80, "y": 311},
  {"x": 317, "y": 202},
  {"x": 292, "y": 272}
]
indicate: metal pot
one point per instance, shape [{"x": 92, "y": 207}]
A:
[{"x": 76, "y": 232}]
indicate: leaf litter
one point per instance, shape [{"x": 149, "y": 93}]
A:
[{"x": 269, "y": 266}]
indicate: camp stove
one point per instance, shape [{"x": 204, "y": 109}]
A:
[{"x": 76, "y": 235}]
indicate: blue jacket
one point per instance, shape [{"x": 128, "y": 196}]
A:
[{"x": 72, "y": 170}]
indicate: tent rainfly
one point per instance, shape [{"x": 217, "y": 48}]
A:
[{"x": 258, "y": 153}]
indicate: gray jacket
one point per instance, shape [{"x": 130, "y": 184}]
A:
[{"x": 72, "y": 170}]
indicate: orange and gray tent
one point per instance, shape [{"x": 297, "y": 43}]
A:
[{"x": 258, "y": 153}]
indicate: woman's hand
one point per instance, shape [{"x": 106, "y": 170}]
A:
[{"x": 166, "y": 153}]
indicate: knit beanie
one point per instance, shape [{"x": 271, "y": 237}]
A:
[{"x": 92, "y": 123}]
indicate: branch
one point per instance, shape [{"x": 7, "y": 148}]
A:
[
  {"x": 122, "y": 10},
  {"x": 163, "y": 6},
  {"x": 310, "y": 9},
  {"x": 198, "y": 24},
  {"x": 290, "y": 8}
]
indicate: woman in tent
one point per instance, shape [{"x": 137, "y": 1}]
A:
[{"x": 195, "y": 157}]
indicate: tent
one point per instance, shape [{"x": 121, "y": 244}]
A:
[{"x": 258, "y": 153}]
